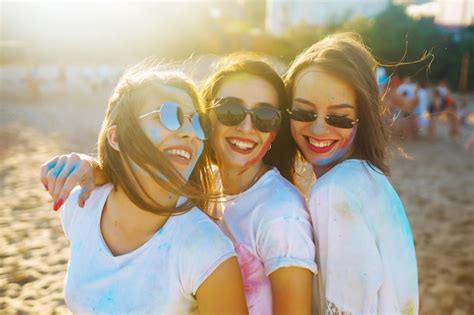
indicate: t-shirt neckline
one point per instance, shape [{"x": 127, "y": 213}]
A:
[{"x": 124, "y": 257}]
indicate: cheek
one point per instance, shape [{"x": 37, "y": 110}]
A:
[
  {"x": 347, "y": 137},
  {"x": 342, "y": 149},
  {"x": 155, "y": 133},
  {"x": 297, "y": 130}
]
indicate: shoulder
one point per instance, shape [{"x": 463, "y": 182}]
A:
[
  {"x": 198, "y": 231},
  {"x": 72, "y": 213},
  {"x": 348, "y": 183},
  {"x": 280, "y": 198},
  {"x": 202, "y": 248},
  {"x": 351, "y": 176}
]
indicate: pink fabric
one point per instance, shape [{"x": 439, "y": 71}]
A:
[{"x": 258, "y": 291}]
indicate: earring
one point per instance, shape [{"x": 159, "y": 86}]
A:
[{"x": 269, "y": 147}]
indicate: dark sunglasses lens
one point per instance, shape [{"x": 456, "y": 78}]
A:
[
  {"x": 171, "y": 116},
  {"x": 266, "y": 119},
  {"x": 339, "y": 121},
  {"x": 302, "y": 115},
  {"x": 230, "y": 113}
]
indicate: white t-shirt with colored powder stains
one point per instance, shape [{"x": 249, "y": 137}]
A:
[
  {"x": 365, "y": 246},
  {"x": 270, "y": 227},
  {"x": 160, "y": 277}
]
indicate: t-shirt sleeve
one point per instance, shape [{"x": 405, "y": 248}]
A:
[
  {"x": 354, "y": 266},
  {"x": 287, "y": 242},
  {"x": 203, "y": 251},
  {"x": 68, "y": 210}
]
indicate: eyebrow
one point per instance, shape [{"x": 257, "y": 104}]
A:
[{"x": 334, "y": 106}]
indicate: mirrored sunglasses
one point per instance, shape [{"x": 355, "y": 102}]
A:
[{"x": 172, "y": 118}]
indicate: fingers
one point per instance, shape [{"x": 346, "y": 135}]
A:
[
  {"x": 45, "y": 168},
  {"x": 85, "y": 193},
  {"x": 62, "y": 173},
  {"x": 56, "y": 176},
  {"x": 81, "y": 173}
]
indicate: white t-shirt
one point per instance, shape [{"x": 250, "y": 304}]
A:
[
  {"x": 160, "y": 277},
  {"x": 271, "y": 229},
  {"x": 366, "y": 253}
]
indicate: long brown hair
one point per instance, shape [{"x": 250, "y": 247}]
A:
[
  {"x": 256, "y": 65},
  {"x": 137, "y": 150},
  {"x": 345, "y": 56}
]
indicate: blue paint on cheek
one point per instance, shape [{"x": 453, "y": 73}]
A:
[
  {"x": 339, "y": 153},
  {"x": 191, "y": 167},
  {"x": 154, "y": 135}
]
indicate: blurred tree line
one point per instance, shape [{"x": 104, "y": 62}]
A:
[{"x": 393, "y": 36}]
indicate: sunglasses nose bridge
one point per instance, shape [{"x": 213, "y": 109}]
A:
[
  {"x": 319, "y": 125},
  {"x": 186, "y": 130},
  {"x": 247, "y": 123}
]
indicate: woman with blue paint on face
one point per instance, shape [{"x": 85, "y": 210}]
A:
[
  {"x": 141, "y": 245},
  {"x": 262, "y": 213},
  {"x": 366, "y": 254}
]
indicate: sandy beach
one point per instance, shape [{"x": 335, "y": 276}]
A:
[{"x": 436, "y": 184}]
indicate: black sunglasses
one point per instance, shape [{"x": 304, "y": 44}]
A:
[
  {"x": 231, "y": 112},
  {"x": 337, "y": 121}
]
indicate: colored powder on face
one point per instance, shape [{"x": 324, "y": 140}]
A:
[
  {"x": 153, "y": 135},
  {"x": 193, "y": 165},
  {"x": 259, "y": 155},
  {"x": 340, "y": 152}
]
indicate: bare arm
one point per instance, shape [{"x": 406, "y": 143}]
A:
[
  {"x": 291, "y": 290},
  {"x": 222, "y": 292}
]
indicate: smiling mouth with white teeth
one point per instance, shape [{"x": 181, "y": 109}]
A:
[
  {"x": 240, "y": 145},
  {"x": 182, "y": 156},
  {"x": 320, "y": 146}
]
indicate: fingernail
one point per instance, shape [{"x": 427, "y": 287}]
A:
[
  {"x": 46, "y": 187},
  {"x": 58, "y": 204}
]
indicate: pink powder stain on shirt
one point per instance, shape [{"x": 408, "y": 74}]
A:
[{"x": 257, "y": 286}]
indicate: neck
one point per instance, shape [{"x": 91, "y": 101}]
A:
[
  {"x": 236, "y": 180},
  {"x": 131, "y": 219}
]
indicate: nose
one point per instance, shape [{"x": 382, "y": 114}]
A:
[
  {"x": 319, "y": 126},
  {"x": 186, "y": 130},
  {"x": 246, "y": 125}
]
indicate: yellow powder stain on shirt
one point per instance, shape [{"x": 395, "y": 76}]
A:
[
  {"x": 409, "y": 308},
  {"x": 344, "y": 210}
]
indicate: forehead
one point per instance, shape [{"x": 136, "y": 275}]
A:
[
  {"x": 322, "y": 88},
  {"x": 251, "y": 89},
  {"x": 161, "y": 93}
]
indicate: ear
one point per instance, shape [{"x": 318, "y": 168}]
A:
[{"x": 112, "y": 137}]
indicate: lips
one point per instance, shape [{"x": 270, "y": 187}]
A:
[
  {"x": 179, "y": 154},
  {"x": 320, "y": 146},
  {"x": 241, "y": 145}
]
